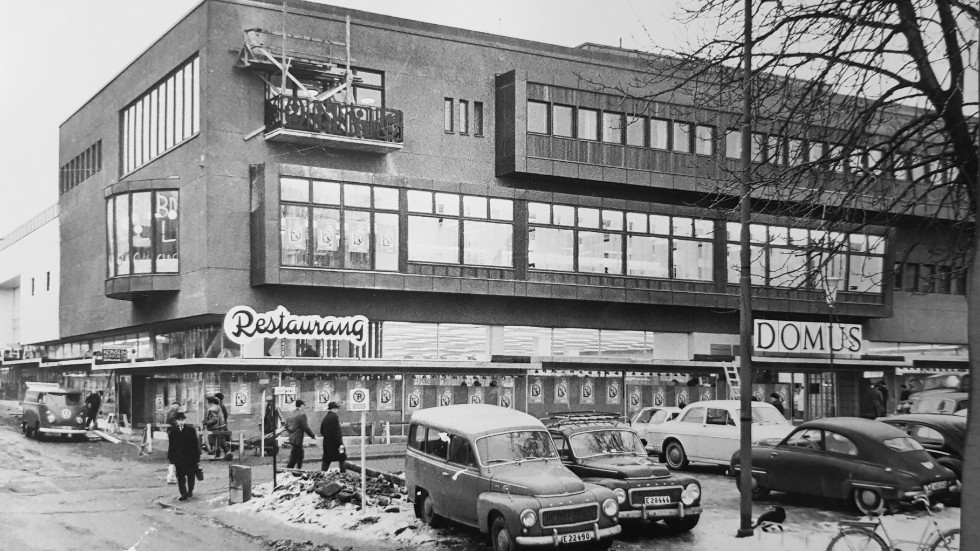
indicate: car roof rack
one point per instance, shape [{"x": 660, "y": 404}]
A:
[
  {"x": 554, "y": 419},
  {"x": 42, "y": 386}
]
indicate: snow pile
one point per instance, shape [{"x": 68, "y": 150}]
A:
[{"x": 299, "y": 499}]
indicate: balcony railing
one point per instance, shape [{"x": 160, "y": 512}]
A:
[{"x": 358, "y": 127}]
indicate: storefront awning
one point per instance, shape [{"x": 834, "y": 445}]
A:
[{"x": 350, "y": 365}]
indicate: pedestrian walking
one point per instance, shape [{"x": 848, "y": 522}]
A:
[
  {"x": 270, "y": 425},
  {"x": 333, "y": 439},
  {"x": 184, "y": 453},
  {"x": 223, "y": 439},
  {"x": 214, "y": 420},
  {"x": 883, "y": 389},
  {"x": 777, "y": 401},
  {"x": 877, "y": 401},
  {"x": 93, "y": 403},
  {"x": 298, "y": 427},
  {"x": 171, "y": 420}
]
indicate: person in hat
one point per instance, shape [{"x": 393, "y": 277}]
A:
[
  {"x": 184, "y": 453},
  {"x": 298, "y": 427},
  {"x": 333, "y": 440},
  {"x": 270, "y": 425}
]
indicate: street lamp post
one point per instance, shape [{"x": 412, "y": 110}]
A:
[{"x": 831, "y": 285}]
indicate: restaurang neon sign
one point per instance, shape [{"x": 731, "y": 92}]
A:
[{"x": 243, "y": 325}]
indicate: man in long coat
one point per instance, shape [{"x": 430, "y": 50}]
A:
[
  {"x": 297, "y": 426},
  {"x": 184, "y": 453},
  {"x": 333, "y": 440}
]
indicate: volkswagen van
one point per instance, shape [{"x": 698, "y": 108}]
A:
[
  {"x": 497, "y": 469},
  {"x": 52, "y": 410}
]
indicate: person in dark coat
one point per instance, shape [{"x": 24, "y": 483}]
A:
[
  {"x": 777, "y": 401},
  {"x": 877, "y": 402},
  {"x": 298, "y": 427},
  {"x": 224, "y": 440},
  {"x": 333, "y": 440},
  {"x": 184, "y": 453},
  {"x": 93, "y": 404},
  {"x": 270, "y": 424}
]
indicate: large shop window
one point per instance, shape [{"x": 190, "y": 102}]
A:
[
  {"x": 802, "y": 258},
  {"x": 162, "y": 118},
  {"x": 338, "y": 225},
  {"x": 142, "y": 232},
  {"x": 589, "y": 240},
  {"x": 436, "y": 220}
]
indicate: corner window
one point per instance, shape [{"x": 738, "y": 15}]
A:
[{"x": 142, "y": 232}]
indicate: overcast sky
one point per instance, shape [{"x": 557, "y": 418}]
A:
[{"x": 57, "y": 54}]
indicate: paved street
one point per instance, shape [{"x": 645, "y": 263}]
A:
[{"x": 102, "y": 496}]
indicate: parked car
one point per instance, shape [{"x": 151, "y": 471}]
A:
[
  {"x": 708, "y": 432},
  {"x": 934, "y": 386},
  {"x": 875, "y": 465},
  {"x": 497, "y": 469},
  {"x": 943, "y": 436},
  {"x": 49, "y": 409},
  {"x": 647, "y": 423},
  {"x": 946, "y": 403},
  {"x": 602, "y": 450}
]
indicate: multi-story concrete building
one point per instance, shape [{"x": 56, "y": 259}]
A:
[{"x": 487, "y": 225}]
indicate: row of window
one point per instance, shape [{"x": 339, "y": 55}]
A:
[
  {"x": 81, "y": 168},
  {"x": 356, "y": 226},
  {"x": 451, "y": 121},
  {"x": 142, "y": 231},
  {"x": 930, "y": 278},
  {"x": 621, "y": 128},
  {"x": 367, "y": 89},
  {"x": 163, "y": 117}
]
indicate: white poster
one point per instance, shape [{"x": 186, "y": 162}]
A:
[
  {"x": 290, "y": 399},
  {"x": 386, "y": 396},
  {"x": 324, "y": 394},
  {"x": 587, "y": 392},
  {"x": 505, "y": 398},
  {"x": 241, "y": 399},
  {"x": 561, "y": 390},
  {"x": 446, "y": 396},
  {"x": 681, "y": 398},
  {"x": 636, "y": 397},
  {"x": 658, "y": 398},
  {"x": 535, "y": 391},
  {"x": 475, "y": 394},
  {"x": 613, "y": 392},
  {"x": 414, "y": 399}
]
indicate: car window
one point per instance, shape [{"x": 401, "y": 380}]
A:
[
  {"x": 902, "y": 444},
  {"x": 808, "y": 439},
  {"x": 838, "y": 443},
  {"x": 927, "y": 436},
  {"x": 644, "y": 416},
  {"x": 514, "y": 446},
  {"x": 436, "y": 443},
  {"x": 606, "y": 442},
  {"x": 717, "y": 416},
  {"x": 31, "y": 397},
  {"x": 695, "y": 415},
  {"x": 460, "y": 451},
  {"x": 561, "y": 445},
  {"x": 61, "y": 400},
  {"x": 659, "y": 417}
]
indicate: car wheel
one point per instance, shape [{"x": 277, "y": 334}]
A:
[
  {"x": 676, "y": 457},
  {"x": 759, "y": 490},
  {"x": 500, "y": 536},
  {"x": 868, "y": 501},
  {"x": 427, "y": 513},
  {"x": 683, "y": 524},
  {"x": 37, "y": 433}
]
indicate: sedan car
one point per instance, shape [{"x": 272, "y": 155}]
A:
[
  {"x": 943, "y": 436},
  {"x": 602, "y": 450},
  {"x": 708, "y": 432},
  {"x": 875, "y": 465},
  {"x": 647, "y": 423}
]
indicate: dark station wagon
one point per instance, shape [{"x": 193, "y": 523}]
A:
[
  {"x": 602, "y": 450},
  {"x": 497, "y": 469},
  {"x": 875, "y": 465},
  {"x": 49, "y": 409}
]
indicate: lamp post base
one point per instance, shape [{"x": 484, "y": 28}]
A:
[{"x": 744, "y": 532}]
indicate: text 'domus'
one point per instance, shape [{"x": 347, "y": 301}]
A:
[
  {"x": 799, "y": 337},
  {"x": 243, "y": 324}
]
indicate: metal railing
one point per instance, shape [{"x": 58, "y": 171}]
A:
[{"x": 336, "y": 119}]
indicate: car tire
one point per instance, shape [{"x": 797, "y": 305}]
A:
[
  {"x": 38, "y": 435},
  {"x": 675, "y": 455},
  {"x": 500, "y": 537},
  {"x": 682, "y": 524},
  {"x": 426, "y": 512},
  {"x": 868, "y": 501},
  {"x": 759, "y": 490}
]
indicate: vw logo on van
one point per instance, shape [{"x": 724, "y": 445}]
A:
[{"x": 66, "y": 413}]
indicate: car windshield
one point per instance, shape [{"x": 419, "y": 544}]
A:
[
  {"x": 606, "y": 442},
  {"x": 903, "y": 444},
  {"x": 514, "y": 446},
  {"x": 764, "y": 416},
  {"x": 61, "y": 400}
]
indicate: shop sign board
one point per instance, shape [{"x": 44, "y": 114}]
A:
[
  {"x": 802, "y": 337},
  {"x": 243, "y": 325},
  {"x": 114, "y": 354},
  {"x": 358, "y": 399}
]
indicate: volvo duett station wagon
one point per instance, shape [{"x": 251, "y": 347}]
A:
[{"x": 497, "y": 469}]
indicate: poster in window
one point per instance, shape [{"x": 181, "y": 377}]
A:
[
  {"x": 414, "y": 399},
  {"x": 294, "y": 228},
  {"x": 241, "y": 403},
  {"x": 561, "y": 390},
  {"x": 587, "y": 391},
  {"x": 386, "y": 396},
  {"x": 505, "y": 398},
  {"x": 446, "y": 396},
  {"x": 387, "y": 240},
  {"x": 475, "y": 394},
  {"x": 327, "y": 235},
  {"x": 613, "y": 392},
  {"x": 324, "y": 393},
  {"x": 535, "y": 391},
  {"x": 357, "y": 237}
]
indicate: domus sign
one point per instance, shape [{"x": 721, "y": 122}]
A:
[
  {"x": 799, "y": 337},
  {"x": 243, "y": 324}
]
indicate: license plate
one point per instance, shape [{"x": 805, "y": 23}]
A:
[
  {"x": 941, "y": 485},
  {"x": 656, "y": 500},
  {"x": 575, "y": 537}
]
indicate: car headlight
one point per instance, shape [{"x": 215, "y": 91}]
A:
[
  {"x": 690, "y": 494},
  {"x": 610, "y": 508},
  {"x": 51, "y": 417},
  {"x": 528, "y": 518},
  {"x": 620, "y": 495},
  {"x": 79, "y": 419}
]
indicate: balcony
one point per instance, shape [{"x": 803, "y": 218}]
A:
[{"x": 337, "y": 125}]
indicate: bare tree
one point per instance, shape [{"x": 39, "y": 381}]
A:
[{"x": 861, "y": 119}]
